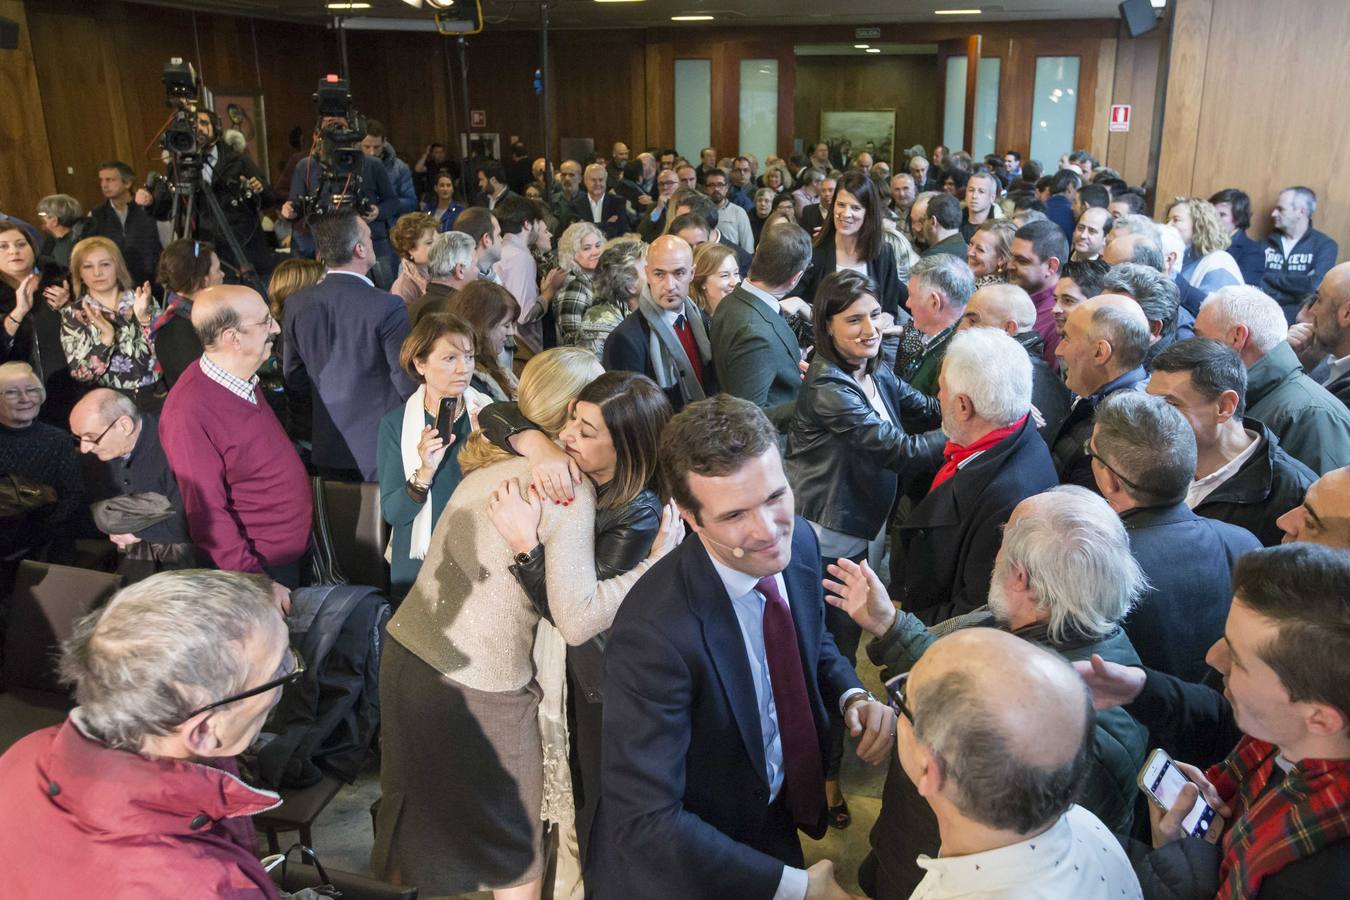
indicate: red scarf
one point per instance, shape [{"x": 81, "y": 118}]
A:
[
  {"x": 955, "y": 453},
  {"x": 1306, "y": 812}
]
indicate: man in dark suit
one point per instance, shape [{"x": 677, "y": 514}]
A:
[
  {"x": 813, "y": 216},
  {"x": 757, "y": 354},
  {"x": 492, "y": 187},
  {"x": 1143, "y": 458},
  {"x": 1105, "y": 340},
  {"x": 666, "y": 337},
  {"x": 945, "y": 548},
  {"x": 125, "y": 220},
  {"x": 341, "y": 354},
  {"x": 718, "y": 674},
  {"x": 606, "y": 211}
]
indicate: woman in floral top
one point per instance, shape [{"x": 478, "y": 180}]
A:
[{"x": 105, "y": 331}]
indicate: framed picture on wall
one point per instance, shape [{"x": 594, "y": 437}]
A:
[
  {"x": 241, "y": 109},
  {"x": 480, "y": 145},
  {"x": 850, "y": 131}
]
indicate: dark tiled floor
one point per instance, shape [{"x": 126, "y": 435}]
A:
[{"x": 343, "y": 835}]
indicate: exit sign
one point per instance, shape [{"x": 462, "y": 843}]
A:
[{"x": 867, "y": 34}]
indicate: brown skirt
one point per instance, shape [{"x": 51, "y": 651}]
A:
[{"x": 462, "y": 777}]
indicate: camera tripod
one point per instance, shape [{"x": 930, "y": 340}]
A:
[{"x": 187, "y": 185}]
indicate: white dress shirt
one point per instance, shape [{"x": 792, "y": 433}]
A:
[
  {"x": 352, "y": 274},
  {"x": 1202, "y": 487},
  {"x": 597, "y": 208},
  {"x": 769, "y": 299},
  {"x": 1077, "y": 858}
]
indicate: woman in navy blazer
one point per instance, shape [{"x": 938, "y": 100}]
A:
[{"x": 851, "y": 240}]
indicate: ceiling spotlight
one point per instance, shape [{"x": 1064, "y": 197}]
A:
[
  {"x": 873, "y": 49},
  {"x": 348, "y": 6},
  {"x": 860, "y": 46},
  {"x": 956, "y": 12},
  {"x": 691, "y": 18}
]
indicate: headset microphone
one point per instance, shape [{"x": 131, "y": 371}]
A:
[{"x": 735, "y": 551}]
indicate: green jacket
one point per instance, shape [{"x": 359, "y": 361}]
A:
[
  {"x": 920, "y": 366},
  {"x": 1312, "y": 425},
  {"x": 758, "y": 357},
  {"x": 1119, "y": 742}
]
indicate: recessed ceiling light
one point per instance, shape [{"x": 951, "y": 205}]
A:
[
  {"x": 873, "y": 49},
  {"x": 956, "y": 12},
  {"x": 691, "y": 18},
  {"x": 860, "y": 46},
  {"x": 348, "y": 6},
  {"x": 618, "y": 1}
]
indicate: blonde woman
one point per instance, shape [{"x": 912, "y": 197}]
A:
[
  {"x": 1208, "y": 265},
  {"x": 990, "y": 251},
  {"x": 579, "y": 251},
  {"x": 716, "y": 274},
  {"x": 463, "y": 768},
  {"x": 105, "y": 329}
]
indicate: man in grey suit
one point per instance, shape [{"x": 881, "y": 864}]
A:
[
  {"x": 757, "y": 355},
  {"x": 341, "y": 352}
]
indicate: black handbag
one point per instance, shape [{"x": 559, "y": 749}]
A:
[
  {"x": 298, "y": 880},
  {"x": 20, "y": 496}
]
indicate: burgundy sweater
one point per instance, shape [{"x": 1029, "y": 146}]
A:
[{"x": 244, "y": 488}]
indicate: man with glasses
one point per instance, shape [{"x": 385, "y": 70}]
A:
[
  {"x": 36, "y": 455},
  {"x": 1143, "y": 454},
  {"x": 108, "y": 425},
  {"x": 1105, "y": 340},
  {"x": 1063, "y": 580},
  {"x": 174, "y": 678},
  {"x": 341, "y": 353},
  {"x": 244, "y": 489}
]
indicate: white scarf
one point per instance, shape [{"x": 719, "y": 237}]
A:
[{"x": 414, "y": 412}]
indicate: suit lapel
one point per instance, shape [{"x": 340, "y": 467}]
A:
[
  {"x": 726, "y": 647},
  {"x": 776, "y": 323}
]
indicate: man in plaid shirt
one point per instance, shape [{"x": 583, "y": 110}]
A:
[{"x": 1284, "y": 791}]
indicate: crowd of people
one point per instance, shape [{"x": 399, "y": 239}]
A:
[{"x": 662, "y": 445}]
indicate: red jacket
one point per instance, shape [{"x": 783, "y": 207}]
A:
[{"x": 80, "y": 820}]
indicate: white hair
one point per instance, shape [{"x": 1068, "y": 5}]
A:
[
  {"x": 571, "y": 242},
  {"x": 448, "y": 250},
  {"x": 1077, "y": 557},
  {"x": 1137, "y": 224},
  {"x": 1242, "y": 304},
  {"x": 1170, "y": 241},
  {"x": 993, "y": 370}
]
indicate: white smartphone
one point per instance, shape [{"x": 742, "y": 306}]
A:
[{"x": 1161, "y": 781}]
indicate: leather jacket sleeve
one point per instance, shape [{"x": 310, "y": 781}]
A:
[
  {"x": 847, "y": 414},
  {"x": 502, "y": 421}
]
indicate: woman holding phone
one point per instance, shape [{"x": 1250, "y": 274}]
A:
[{"x": 418, "y": 462}]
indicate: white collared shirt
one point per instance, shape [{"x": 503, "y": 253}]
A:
[
  {"x": 1202, "y": 487},
  {"x": 597, "y": 207},
  {"x": 1337, "y": 368},
  {"x": 352, "y": 274},
  {"x": 237, "y": 386},
  {"x": 768, "y": 298},
  {"x": 1076, "y": 857}
]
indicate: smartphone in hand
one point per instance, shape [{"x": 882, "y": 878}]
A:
[
  {"x": 1161, "y": 781},
  {"x": 445, "y": 418}
]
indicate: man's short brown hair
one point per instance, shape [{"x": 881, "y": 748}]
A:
[{"x": 712, "y": 438}]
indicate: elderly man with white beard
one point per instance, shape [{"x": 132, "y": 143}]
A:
[{"x": 1064, "y": 578}]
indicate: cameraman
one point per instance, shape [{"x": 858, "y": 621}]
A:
[
  {"x": 376, "y": 193},
  {"x": 241, "y": 189}
]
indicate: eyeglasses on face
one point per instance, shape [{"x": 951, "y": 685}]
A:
[
  {"x": 85, "y": 439},
  {"x": 1091, "y": 454},
  {"x": 293, "y": 664},
  {"x": 895, "y": 692}
]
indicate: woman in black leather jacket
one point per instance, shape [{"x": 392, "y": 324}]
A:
[
  {"x": 846, "y": 448},
  {"x": 611, "y": 438}
]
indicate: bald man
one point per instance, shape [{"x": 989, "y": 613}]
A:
[
  {"x": 1324, "y": 330},
  {"x": 1016, "y": 717},
  {"x": 1105, "y": 341},
  {"x": 108, "y": 425},
  {"x": 666, "y": 337},
  {"x": 1010, "y": 309},
  {"x": 606, "y": 211},
  {"x": 244, "y": 489}
]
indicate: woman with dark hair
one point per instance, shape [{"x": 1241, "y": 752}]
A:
[
  {"x": 442, "y": 205},
  {"x": 1234, "y": 209},
  {"x": 846, "y": 449},
  {"x": 611, "y": 438},
  {"x": 490, "y": 311},
  {"x": 852, "y": 240},
  {"x": 419, "y": 466},
  {"x": 185, "y": 267},
  {"x": 30, "y": 330}
]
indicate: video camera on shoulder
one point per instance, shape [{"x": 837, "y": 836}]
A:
[
  {"x": 182, "y": 87},
  {"x": 341, "y": 130}
]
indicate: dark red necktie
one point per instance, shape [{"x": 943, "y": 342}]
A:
[
  {"x": 803, "y": 776},
  {"x": 686, "y": 336}
]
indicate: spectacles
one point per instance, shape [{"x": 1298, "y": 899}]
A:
[
  {"x": 81, "y": 439},
  {"x": 12, "y": 394},
  {"x": 1088, "y": 452},
  {"x": 895, "y": 692},
  {"x": 297, "y": 669},
  {"x": 265, "y": 323}
]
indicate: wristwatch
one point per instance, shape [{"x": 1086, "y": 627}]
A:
[
  {"x": 858, "y": 698},
  {"x": 524, "y": 559}
]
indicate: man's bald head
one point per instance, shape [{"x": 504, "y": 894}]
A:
[
  {"x": 670, "y": 268},
  {"x": 1008, "y": 722},
  {"x": 92, "y": 422},
  {"x": 1324, "y": 515},
  {"x": 1006, "y": 307},
  {"x": 220, "y": 308}
]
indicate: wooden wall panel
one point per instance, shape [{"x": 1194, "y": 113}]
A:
[
  {"x": 908, "y": 84},
  {"x": 1263, "y": 126},
  {"x": 25, "y": 158},
  {"x": 1136, "y": 83}
]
